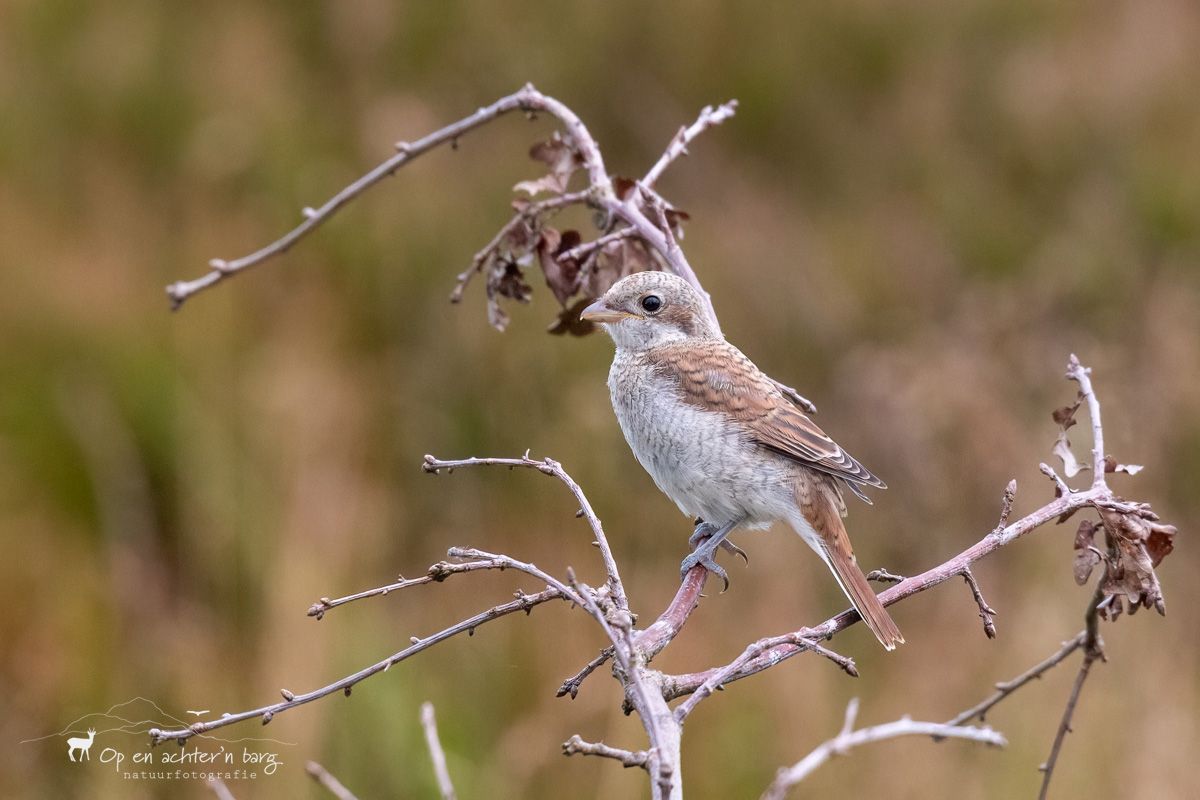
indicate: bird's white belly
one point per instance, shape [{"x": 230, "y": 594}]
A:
[{"x": 698, "y": 458}]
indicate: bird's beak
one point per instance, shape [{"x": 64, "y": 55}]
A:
[{"x": 599, "y": 312}]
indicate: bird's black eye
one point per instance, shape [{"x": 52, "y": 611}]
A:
[{"x": 652, "y": 303}]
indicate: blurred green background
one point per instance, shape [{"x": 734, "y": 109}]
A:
[{"x": 918, "y": 212}]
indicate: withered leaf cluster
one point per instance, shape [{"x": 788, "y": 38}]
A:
[
  {"x": 574, "y": 280},
  {"x": 1136, "y": 542}
]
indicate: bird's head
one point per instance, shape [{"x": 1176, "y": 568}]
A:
[{"x": 648, "y": 309}]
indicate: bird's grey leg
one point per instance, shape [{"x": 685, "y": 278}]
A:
[
  {"x": 703, "y": 554},
  {"x": 707, "y": 529},
  {"x": 702, "y": 532}
]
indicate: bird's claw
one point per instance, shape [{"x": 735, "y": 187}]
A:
[
  {"x": 703, "y": 556},
  {"x": 737, "y": 551}
]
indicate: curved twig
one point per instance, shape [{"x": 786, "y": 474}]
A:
[{"x": 849, "y": 738}]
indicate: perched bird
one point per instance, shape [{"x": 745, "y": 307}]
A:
[{"x": 722, "y": 439}]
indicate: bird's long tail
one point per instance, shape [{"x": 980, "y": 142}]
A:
[{"x": 822, "y": 512}]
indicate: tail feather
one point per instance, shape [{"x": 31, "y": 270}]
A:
[
  {"x": 820, "y": 505},
  {"x": 863, "y": 597}
]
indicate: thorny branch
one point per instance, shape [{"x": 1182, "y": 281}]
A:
[{"x": 638, "y": 231}]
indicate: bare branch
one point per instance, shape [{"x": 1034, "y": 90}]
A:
[
  {"x": 709, "y": 117},
  {"x": 571, "y": 685},
  {"x": 314, "y": 218},
  {"x": 883, "y": 576},
  {"x": 651, "y": 641},
  {"x": 1006, "y": 505},
  {"x": 587, "y": 248},
  {"x": 1004, "y": 689},
  {"x": 436, "y": 754},
  {"x": 1049, "y": 472},
  {"x": 1082, "y": 375},
  {"x": 630, "y": 758},
  {"x": 1093, "y": 651},
  {"x": 549, "y": 466},
  {"x": 986, "y": 612},
  {"x": 849, "y": 739},
  {"x": 716, "y": 678},
  {"x": 326, "y": 779},
  {"x": 266, "y": 713},
  {"x": 437, "y": 573}
]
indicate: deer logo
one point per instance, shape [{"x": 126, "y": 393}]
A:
[{"x": 82, "y": 745}]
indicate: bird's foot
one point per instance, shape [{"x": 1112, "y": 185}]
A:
[
  {"x": 703, "y": 556},
  {"x": 705, "y": 530}
]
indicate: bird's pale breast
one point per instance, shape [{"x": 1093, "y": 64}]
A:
[{"x": 701, "y": 459}]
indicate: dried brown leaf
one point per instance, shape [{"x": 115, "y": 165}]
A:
[
  {"x": 561, "y": 156},
  {"x": 1140, "y": 542},
  {"x": 562, "y": 276},
  {"x": 675, "y": 218},
  {"x": 1065, "y": 417},
  {"x": 1062, "y": 449},
  {"x": 1160, "y": 541},
  {"x": 511, "y": 283},
  {"x": 615, "y": 261},
  {"x": 1111, "y": 465},
  {"x": 568, "y": 320},
  {"x": 624, "y": 187},
  {"x": 1086, "y": 556}
]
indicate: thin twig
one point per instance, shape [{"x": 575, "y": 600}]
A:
[
  {"x": 1064, "y": 727},
  {"x": 986, "y": 612},
  {"x": 883, "y": 576},
  {"x": 549, "y": 466},
  {"x": 709, "y": 117},
  {"x": 266, "y": 713},
  {"x": 587, "y": 248},
  {"x": 436, "y": 754},
  {"x": 437, "y": 572},
  {"x": 571, "y": 685},
  {"x": 1006, "y": 505},
  {"x": 529, "y": 212},
  {"x": 1082, "y": 375},
  {"x": 314, "y": 218},
  {"x": 718, "y": 678},
  {"x": 1049, "y": 472},
  {"x": 325, "y": 778},
  {"x": 849, "y": 738},
  {"x": 1093, "y": 651},
  {"x": 1005, "y": 688},
  {"x": 630, "y": 758}
]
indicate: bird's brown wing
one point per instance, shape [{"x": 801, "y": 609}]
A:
[{"x": 715, "y": 376}]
